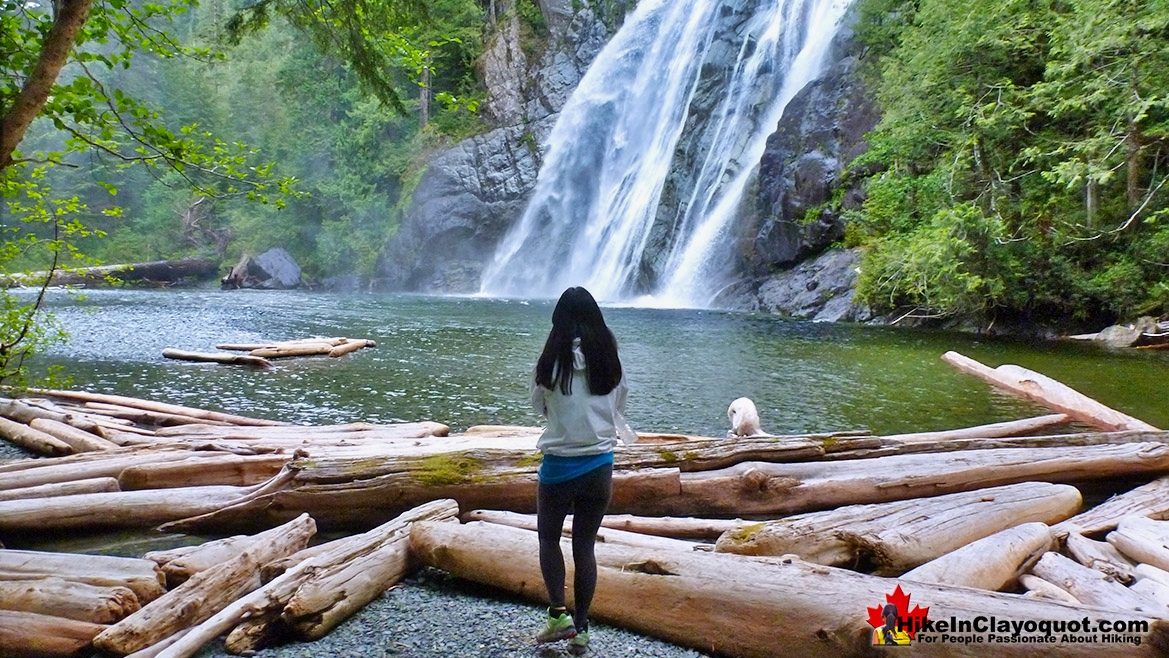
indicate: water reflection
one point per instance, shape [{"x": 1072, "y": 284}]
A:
[{"x": 466, "y": 361}]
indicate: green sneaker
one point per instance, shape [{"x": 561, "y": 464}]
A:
[
  {"x": 579, "y": 644},
  {"x": 558, "y": 628}
]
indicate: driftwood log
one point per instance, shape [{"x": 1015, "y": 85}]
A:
[
  {"x": 1151, "y": 499},
  {"x": 1093, "y": 588},
  {"x": 712, "y": 602},
  {"x": 892, "y": 537},
  {"x": 142, "y": 577},
  {"x": 992, "y": 563},
  {"x": 149, "y": 405},
  {"x": 160, "y": 271},
  {"x": 58, "y": 597},
  {"x": 203, "y": 594},
  {"x": 1045, "y": 390},
  {"x": 33, "y": 635},
  {"x": 217, "y": 357}
]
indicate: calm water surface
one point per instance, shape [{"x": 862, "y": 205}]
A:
[{"x": 466, "y": 361}]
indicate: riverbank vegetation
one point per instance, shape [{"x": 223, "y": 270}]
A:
[{"x": 1018, "y": 171}]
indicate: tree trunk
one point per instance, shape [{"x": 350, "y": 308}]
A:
[
  {"x": 1101, "y": 556},
  {"x": 217, "y": 357},
  {"x": 150, "y": 405},
  {"x": 893, "y": 537},
  {"x": 126, "y": 509},
  {"x": 33, "y": 440},
  {"x": 142, "y": 577},
  {"x": 276, "y": 594},
  {"x": 94, "y": 485},
  {"x": 992, "y": 563},
  {"x": 79, "y": 440},
  {"x": 1093, "y": 588},
  {"x": 714, "y": 602},
  {"x": 1150, "y": 499},
  {"x": 32, "y": 635},
  {"x": 164, "y": 271},
  {"x": 1044, "y": 390},
  {"x": 67, "y": 23},
  {"x": 69, "y": 599},
  {"x": 204, "y": 594},
  {"x": 26, "y": 411},
  {"x": 179, "y": 565},
  {"x": 213, "y": 469}
]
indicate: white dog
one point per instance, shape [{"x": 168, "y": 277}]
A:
[{"x": 744, "y": 419}]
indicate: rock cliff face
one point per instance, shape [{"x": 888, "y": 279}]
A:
[{"x": 470, "y": 193}]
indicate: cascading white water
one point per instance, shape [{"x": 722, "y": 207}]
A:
[{"x": 615, "y": 144}]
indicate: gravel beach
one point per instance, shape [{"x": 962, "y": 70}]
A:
[{"x": 435, "y": 615}]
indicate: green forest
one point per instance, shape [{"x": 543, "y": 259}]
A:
[
  {"x": 1017, "y": 174},
  {"x": 1018, "y": 170}
]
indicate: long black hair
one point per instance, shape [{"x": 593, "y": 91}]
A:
[{"x": 578, "y": 316}]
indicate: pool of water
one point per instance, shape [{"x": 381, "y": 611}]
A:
[{"x": 467, "y": 361}]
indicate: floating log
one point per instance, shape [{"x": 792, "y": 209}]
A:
[
  {"x": 33, "y": 635},
  {"x": 276, "y": 594},
  {"x": 892, "y": 537},
  {"x": 1045, "y": 390},
  {"x": 1093, "y": 588},
  {"x": 204, "y": 594},
  {"x": 248, "y": 347},
  {"x": 1101, "y": 556},
  {"x": 127, "y": 509},
  {"x": 1151, "y": 499},
  {"x": 93, "y": 485},
  {"x": 79, "y": 440},
  {"x": 69, "y": 599},
  {"x": 142, "y": 577},
  {"x": 993, "y": 430},
  {"x": 33, "y": 440},
  {"x": 217, "y": 357},
  {"x": 286, "y": 351},
  {"x": 150, "y": 405},
  {"x": 713, "y": 601},
  {"x": 160, "y": 271},
  {"x": 994, "y": 562}
]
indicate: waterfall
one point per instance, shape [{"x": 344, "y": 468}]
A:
[{"x": 682, "y": 99}]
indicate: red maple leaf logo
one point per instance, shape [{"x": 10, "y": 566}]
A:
[{"x": 909, "y": 621}]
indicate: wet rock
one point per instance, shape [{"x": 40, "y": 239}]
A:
[
  {"x": 819, "y": 289},
  {"x": 274, "y": 269}
]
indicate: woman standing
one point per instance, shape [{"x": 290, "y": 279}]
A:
[{"x": 580, "y": 386}]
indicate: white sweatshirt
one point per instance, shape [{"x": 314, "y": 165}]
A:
[{"x": 581, "y": 424}]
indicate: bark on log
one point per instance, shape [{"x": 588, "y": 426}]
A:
[
  {"x": 1040, "y": 588},
  {"x": 150, "y": 405},
  {"x": 1151, "y": 500},
  {"x": 68, "y": 599},
  {"x": 1139, "y": 540},
  {"x": 33, "y": 440},
  {"x": 713, "y": 602},
  {"x": 127, "y": 509},
  {"x": 142, "y": 577},
  {"x": 994, "y": 430},
  {"x": 892, "y": 537},
  {"x": 992, "y": 563},
  {"x": 1101, "y": 556},
  {"x": 1044, "y": 390},
  {"x": 93, "y": 485},
  {"x": 1094, "y": 588},
  {"x": 203, "y": 595},
  {"x": 32, "y": 635},
  {"x": 274, "y": 595},
  {"x": 79, "y": 440},
  {"x": 217, "y": 357}
]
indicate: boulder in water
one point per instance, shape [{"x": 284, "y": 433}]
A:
[{"x": 274, "y": 269}]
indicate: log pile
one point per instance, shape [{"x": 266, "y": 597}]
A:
[
  {"x": 706, "y": 536},
  {"x": 259, "y": 354}
]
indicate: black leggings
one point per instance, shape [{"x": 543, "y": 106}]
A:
[{"x": 587, "y": 497}]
